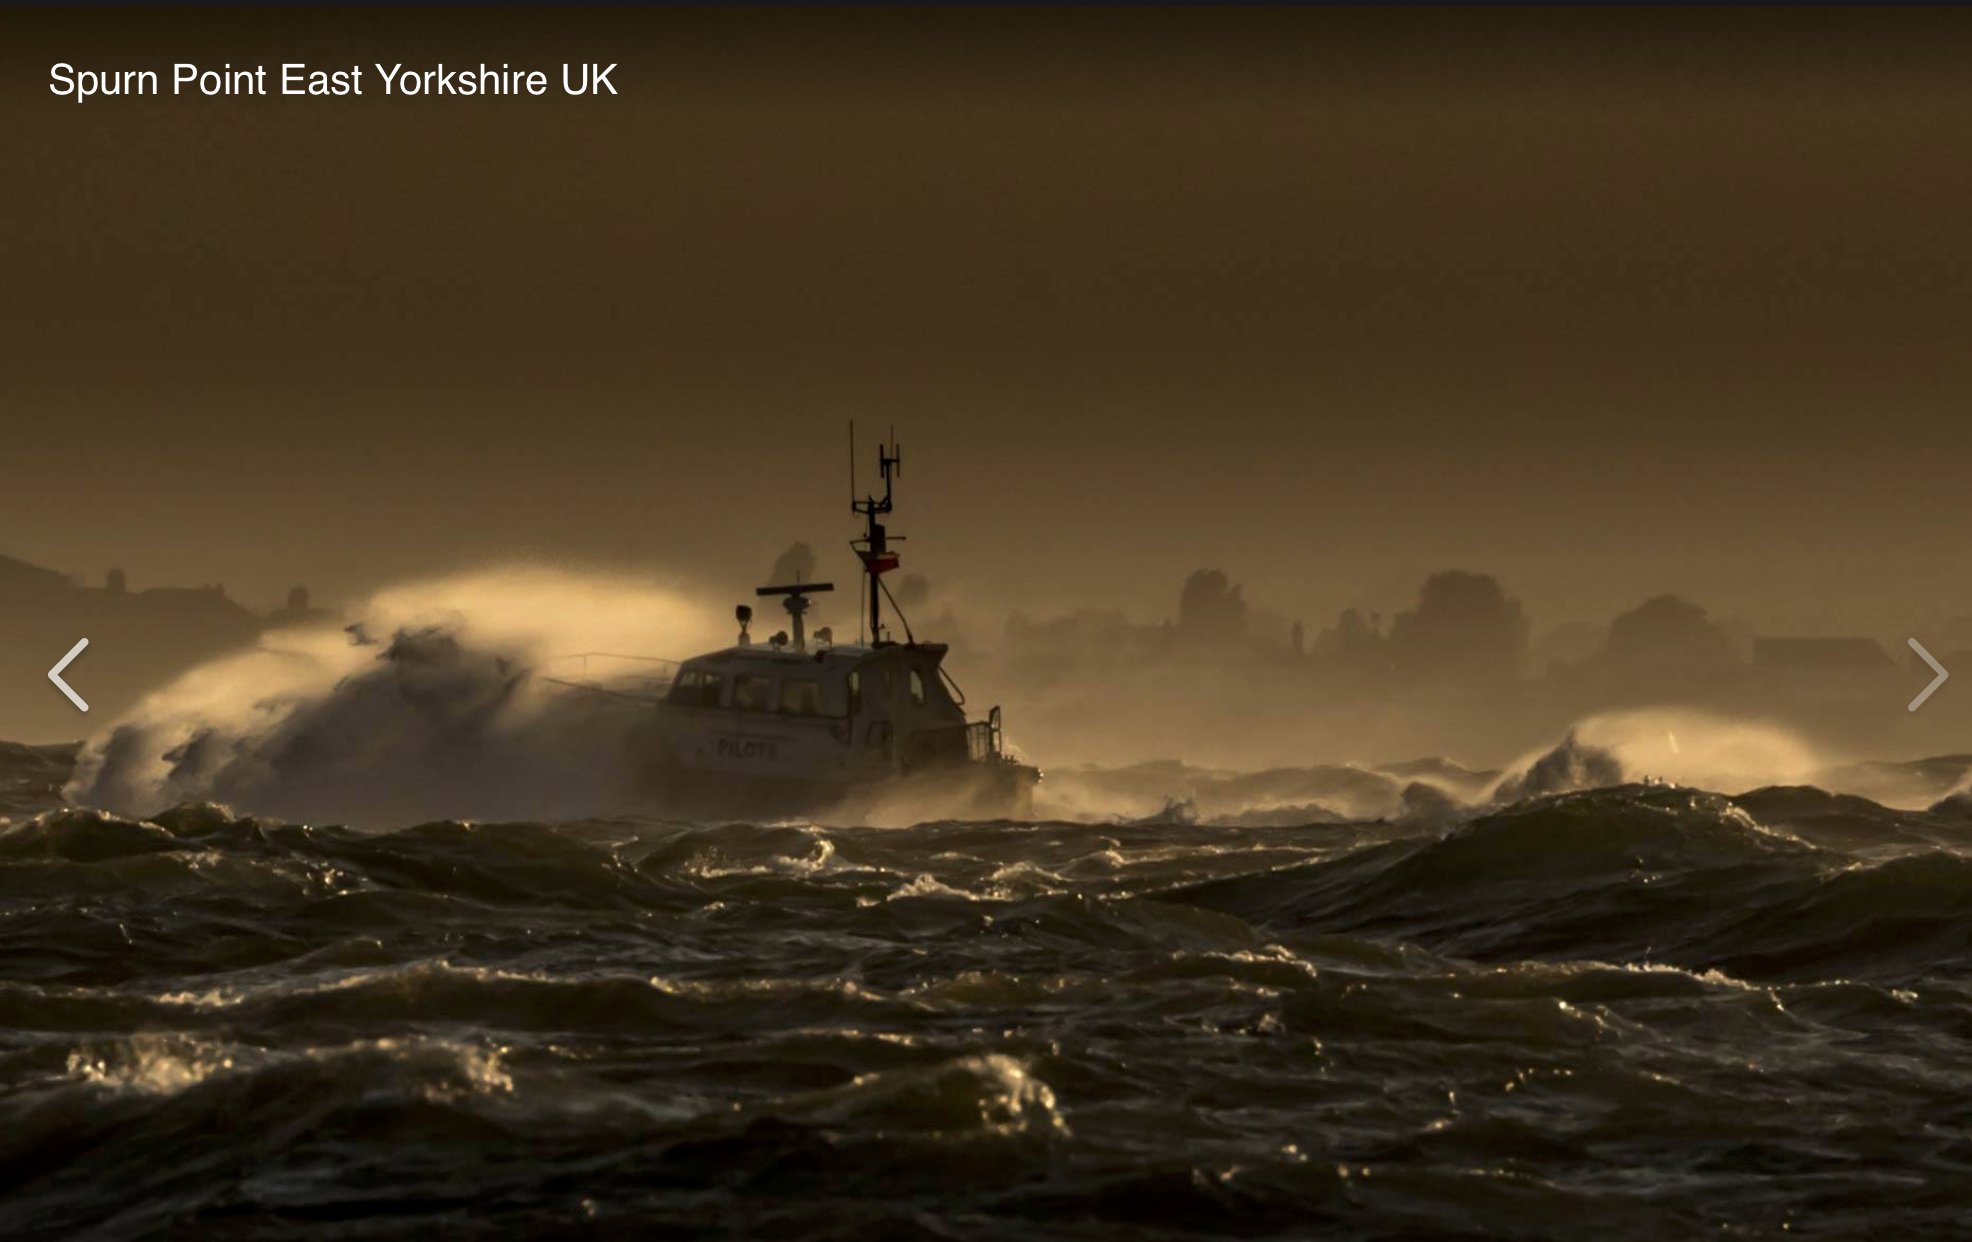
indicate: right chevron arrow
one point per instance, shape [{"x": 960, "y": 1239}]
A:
[{"x": 1937, "y": 681}]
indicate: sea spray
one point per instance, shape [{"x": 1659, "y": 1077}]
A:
[
  {"x": 1679, "y": 746},
  {"x": 436, "y": 699}
]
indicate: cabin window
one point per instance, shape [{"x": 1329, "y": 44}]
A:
[
  {"x": 801, "y": 697},
  {"x": 917, "y": 688},
  {"x": 697, "y": 688},
  {"x": 855, "y": 693},
  {"x": 753, "y": 694}
]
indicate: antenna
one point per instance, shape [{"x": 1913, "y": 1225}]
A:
[{"x": 874, "y": 546}]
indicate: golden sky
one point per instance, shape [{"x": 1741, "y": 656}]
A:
[{"x": 1607, "y": 303}]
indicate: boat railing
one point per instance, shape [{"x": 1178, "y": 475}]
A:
[
  {"x": 979, "y": 745},
  {"x": 601, "y": 661},
  {"x": 977, "y": 741},
  {"x": 643, "y": 679}
]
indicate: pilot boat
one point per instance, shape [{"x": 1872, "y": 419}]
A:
[{"x": 799, "y": 724}]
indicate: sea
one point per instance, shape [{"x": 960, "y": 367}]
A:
[{"x": 1632, "y": 1010}]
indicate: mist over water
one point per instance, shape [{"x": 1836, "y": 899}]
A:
[
  {"x": 449, "y": 698},
  {"x": 439, "y": 699}
]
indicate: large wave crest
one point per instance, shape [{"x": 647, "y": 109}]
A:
[{"x": 437, "y": 701}]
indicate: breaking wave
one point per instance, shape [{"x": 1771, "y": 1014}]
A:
[
  {"x": 436, "y": 701},
  {"x": 1766, "y": 885}
]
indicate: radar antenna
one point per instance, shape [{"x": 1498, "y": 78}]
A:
[
  {"x": 874, "y": 546},
  {"x": 796, "y": 603}
]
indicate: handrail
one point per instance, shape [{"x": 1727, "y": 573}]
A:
[
  {"x": 646, "y": 699},
  {"x": 975, "y": 741}
]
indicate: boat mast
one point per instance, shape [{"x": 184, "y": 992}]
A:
[{"x": 875, "y": 550}]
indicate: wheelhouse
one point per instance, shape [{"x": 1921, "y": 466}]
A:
[{"x": 894, "y": 700}]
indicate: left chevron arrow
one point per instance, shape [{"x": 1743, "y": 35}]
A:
[{"x": 55, "y": 675}]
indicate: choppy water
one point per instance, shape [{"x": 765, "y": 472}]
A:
[{"x": 1635, "y": 1012}]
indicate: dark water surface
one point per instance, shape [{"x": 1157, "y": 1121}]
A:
[{"x": 1637, "y": 1012}]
